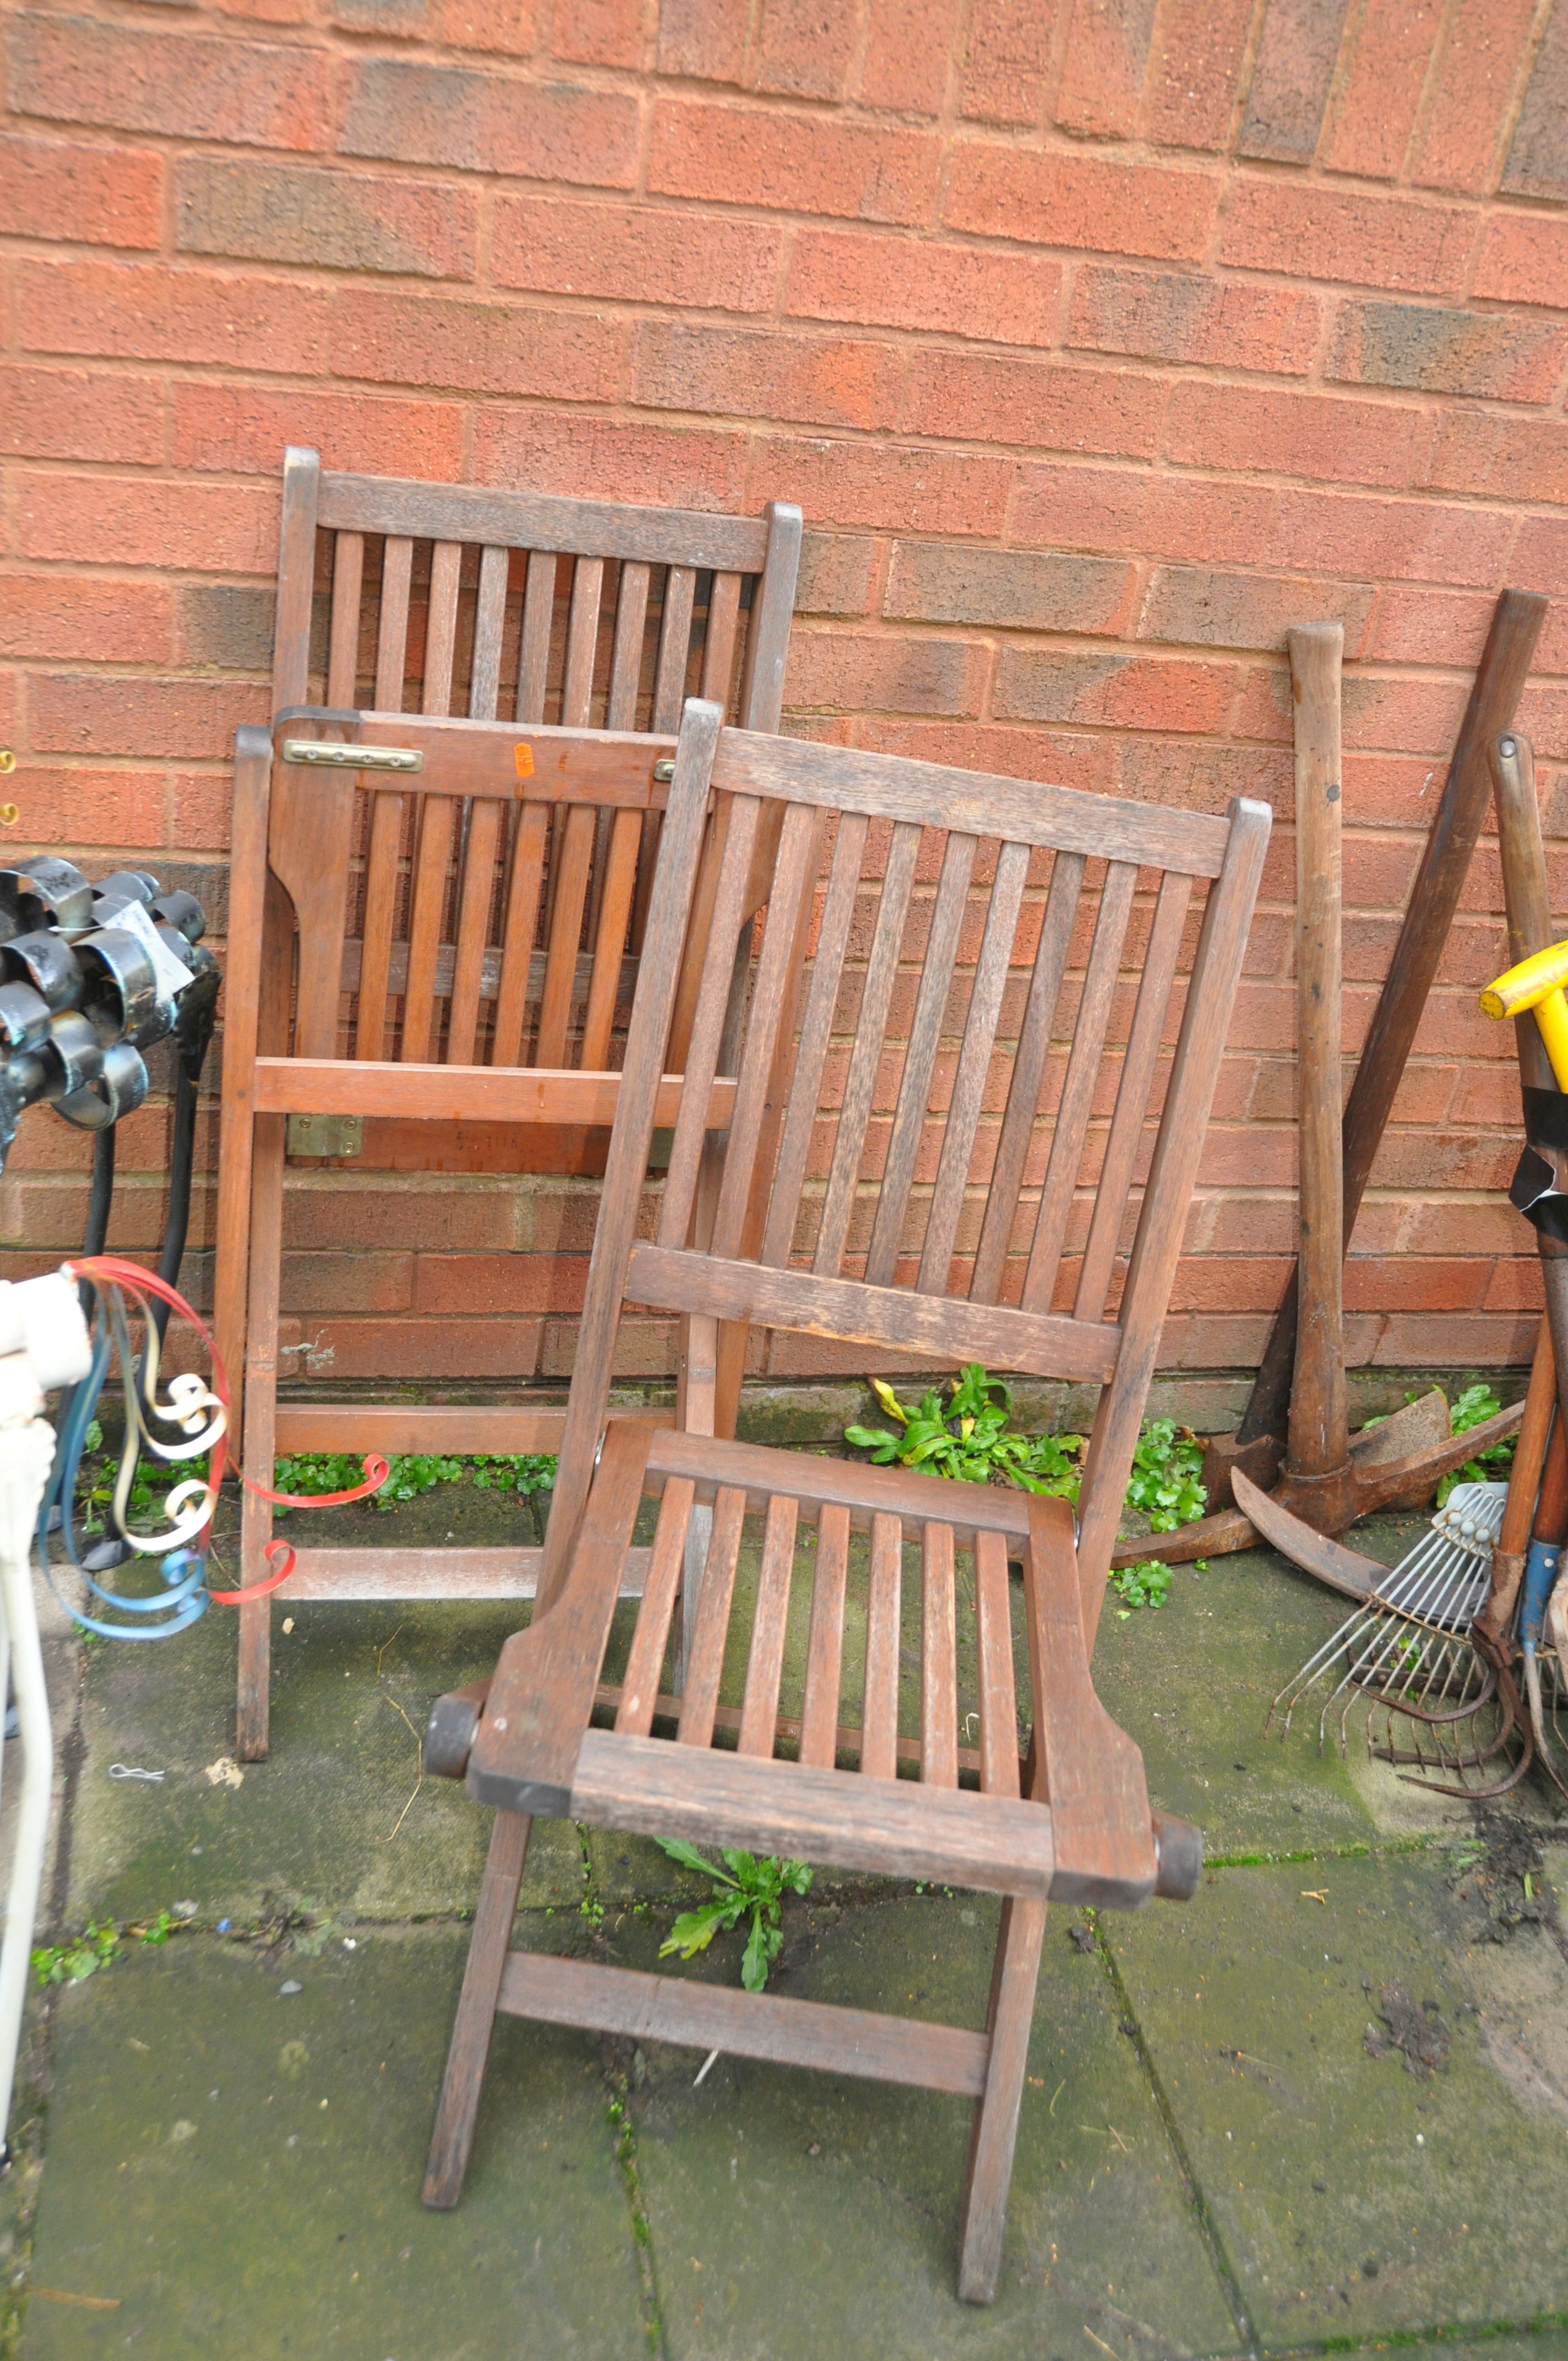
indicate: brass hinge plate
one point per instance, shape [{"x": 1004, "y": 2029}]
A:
[
  {"x": 326, "y": 1134},
  {"x": 333, "y": 755}
]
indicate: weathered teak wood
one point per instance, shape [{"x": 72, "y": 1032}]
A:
[
  {"x": 859, "y": 1200},
  {"x": 447, "y": 952}
]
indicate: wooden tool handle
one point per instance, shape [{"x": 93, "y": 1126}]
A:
[
  {"x": 1429, "y": 913},
  {"x": 1530, "y": 1451},
  {"x": 1318, "y": 1416},
  {"x": 1552, "y": 1509}
]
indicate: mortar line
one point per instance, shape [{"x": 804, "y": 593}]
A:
[{"x": 1202, "y": 2212}]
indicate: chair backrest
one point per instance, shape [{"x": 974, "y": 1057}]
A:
[
  {"x": 967, "y": 1127},
  {"x": 532, "y": 610}
]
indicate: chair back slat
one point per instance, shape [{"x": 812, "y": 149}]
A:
[
  {"x": 701, "y": 1061},
  {"x": 1019, "y": 1122},
  {"x": 926, "y": 1030},
  {"x": 821, "y": 1003},
  {"x": 972, "y": 1071},
  {"x": 343, "y": 640},
  {"x": 1071, "y": 1125},
  {"x": 719, "y": 640},
  {"x": 866, "y": 1057},
  {"x": 489, "y": 632},
  {"x": 936, "y": 1141},
  {"x": 640, "y": 1685},
  {"x": 1132, "y": 1095},
  {"x": 996, "y": 1696},
  {"x": 533, "y": 646}
]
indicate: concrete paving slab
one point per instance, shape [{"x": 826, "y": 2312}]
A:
[
  {"x": 237, "y": 2170},
  {"x": 329, "y": 1816},
  {"x": 1355, "y": 2196},
  {"x": 796, "y": 2213}
]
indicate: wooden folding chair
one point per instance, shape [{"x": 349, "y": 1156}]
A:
[
  {"x": 912, "y": 1164},
  {"x": 394, "y": 951}
]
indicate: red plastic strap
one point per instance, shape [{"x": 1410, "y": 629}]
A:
[
  {"x": 111, "y": 1270},
  {"x": 273, "y": 1553}
]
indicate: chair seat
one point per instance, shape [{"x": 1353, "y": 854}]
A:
[{"x": 774, "y": 1782}]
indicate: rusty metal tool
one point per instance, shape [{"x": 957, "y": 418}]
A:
[{"x": 1259, "y": 1441}]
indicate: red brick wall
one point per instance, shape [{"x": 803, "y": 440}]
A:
[{"x": 1099, "y": 340}]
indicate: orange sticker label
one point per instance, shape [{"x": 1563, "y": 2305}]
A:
[{"x": 523, "y": 757}]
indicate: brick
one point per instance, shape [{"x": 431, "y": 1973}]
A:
[
  {"x": 887, "y": 484},
  {"x": 1429, "y": 627},
  {"x": 852, "y": 672},
  {"x": 340, "y": 221},
  {"x": 200, "y": 812},
  {"x": 704, "y": 39},
  {"x": 1540, "y": 556},
  {"x": 835, "y": 570},
  {"x": 1111, "y": 691},
  {"x": 1191, "y": 97},
  {"x": 1051, "y": 199},
  {"x": 822, "y": 381},
  {"x": 504, "y": 26},
  {"x": 348, "y": 1282},
  {"x": 1321, "y": 436},
  {"x": 599, "y": 33},
  {"x": 226, "y": 625},
  {"x": 145, "y": 310},
  {"x": 1143, "y": 514},
  {"x": 958, "y": 291},
  {"x": 88, "y": 806},
  {"x": 799, "y": 163},
  {"x": 1515, "y": 1286},
  {"x": 1195, "y": 603},
  {"x": 1506, "y": 458},
  {"x": 437, "y": 1215},
  {"x": 72, "y": 618},
  {"x": 132, "y": 77},
  {"x": 53, "y": 414},
  {"x": 1007, "y": 58},
  {"x": 1524, "y": 260},
  {"x": 136, "y": 520},
  {"x": 491, "y": 123},
  {"x": 803, "y": 49},
  {"x": 933, "y": 582},
  {"x": 643, "y": 1348},
  {"x": 634, "y": 254},
  {"x": 1047, "y": 404},
  {"x": 908, "y": 50},
  {"x": 1067, "y": 759},
  {"x": 478, "y": 347},
  {"x": 242, "y": 430},
  {"x": 95, "y": 713},
  {"x": 1107, "y": 57},
  {"x": 1404, "y": 716},
  {"x": 688, "y": 467},
  {"x": 1374, "y": 110},
  {"x": 1415, "y": 1283},
  {"x": 1456, "y": 1340},
  {"x": 1537, "y": 154},
  {"x": 1172, "y": 317},
  {"x": 64, "y": 189},
  {"x": 1343, "y": 532},
  {"x": 1290, "y": 80},
  {"x": 1473, "y": 97},
  {"x": 1401, "y": 242},
  {"x": 425, "y": 1349},
  {"x": 1437, "y": 351},
  {"x": 457, "y": 1284}
]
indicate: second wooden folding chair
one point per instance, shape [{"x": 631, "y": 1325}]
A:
[{"x": 443, "y": 957}]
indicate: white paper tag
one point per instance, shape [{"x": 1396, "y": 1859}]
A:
[{"x": 172, "y": 974}]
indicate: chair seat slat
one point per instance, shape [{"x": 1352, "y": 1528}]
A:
[
  {"x": 770, "y": 1617},
  {"x": 709, "y": 1628},
  {"x": 825, "y": 1645},
  {"x": 879, "y": 1749},
  {"x": 640, "y": 1689},
  {"x": 938, "y": 1660},
  {"x": 993, "y": 1665}
]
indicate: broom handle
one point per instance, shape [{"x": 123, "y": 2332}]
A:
[{"x": 1551, "y": 1510}]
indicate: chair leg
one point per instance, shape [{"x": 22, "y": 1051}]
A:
[
  {"x": 260, "y": 1429},
  {"x": 458, "y": 2107},
  {"x": 995, "y": 2127}
]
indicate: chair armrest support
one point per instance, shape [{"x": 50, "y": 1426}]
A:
[
  {"x": 1086, "y": 1767},
  {"x": 524, "y": 1753},
  {"x": 450, "y": 1732}
]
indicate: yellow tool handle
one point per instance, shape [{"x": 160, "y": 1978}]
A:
[{"x": 1537, "y": 984}]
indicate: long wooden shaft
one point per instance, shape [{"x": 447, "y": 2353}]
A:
[
  {"x": 1434, "y": 897},
  {"x": 1319, "y": 1436},
  {"x": 1525, "y": 899}
]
